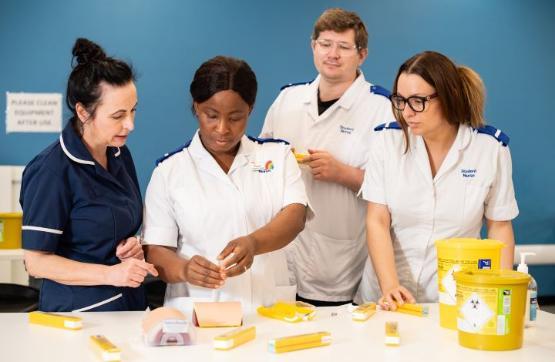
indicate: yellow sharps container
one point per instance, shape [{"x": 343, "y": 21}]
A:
[
  {"x": 461, "y": 254},
  {"x": 10, "y": 230},
  {"x": 490, "y": 308}
]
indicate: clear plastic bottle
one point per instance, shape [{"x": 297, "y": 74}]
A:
[{"x": 531, "y": 294}]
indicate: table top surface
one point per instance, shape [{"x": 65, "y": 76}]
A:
[{"x": 422, "y": 339}]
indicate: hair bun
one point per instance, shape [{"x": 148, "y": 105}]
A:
[{"x": 86, "y": 51}]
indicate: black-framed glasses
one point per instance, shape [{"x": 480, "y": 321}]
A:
[{"x": 416, "y": 103}]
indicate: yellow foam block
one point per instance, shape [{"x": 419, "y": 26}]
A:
[
  {"x": 235, "y": 338},
  {"x": 105, "y": 349},
  {"x": 55, "y": 320}
]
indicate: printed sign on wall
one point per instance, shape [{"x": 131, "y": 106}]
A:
[{"x": 33, "y": 112}]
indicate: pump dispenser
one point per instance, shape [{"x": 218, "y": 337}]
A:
[{"x": 532, "y": 294}]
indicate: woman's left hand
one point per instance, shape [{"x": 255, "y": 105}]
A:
[
  {"x": 130, "y": 248},
  {"x": 237, "y": 256}
]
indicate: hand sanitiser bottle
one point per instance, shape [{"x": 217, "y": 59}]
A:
[{"x": 531, "y": 294}]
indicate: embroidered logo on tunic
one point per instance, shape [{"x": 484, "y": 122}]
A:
[
  {"x": 268, "y": 167},
  {"x": 468, "y": 172},
  {"x": 346, "y": 130}
]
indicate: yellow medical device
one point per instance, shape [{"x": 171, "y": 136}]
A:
[
  {"x": 105, "y": 349},
  {"x": 392, "y": 337},
  {"x": 301, "y": 341},
  {"x": 300, "y": 156},
  {"x": 55, "y": 320},
  {"x": 288, "y": 311},
  {"x": 363, "y": 312},
  {"x": 235, "y": 338},
  {"x": 413, "y": 309}
]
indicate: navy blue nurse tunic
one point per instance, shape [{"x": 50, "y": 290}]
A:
[{"x": 76, "y": 209}]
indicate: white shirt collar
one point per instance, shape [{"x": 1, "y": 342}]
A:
[
  {"x": 462, "y": 140},
  {"x": 246, "y": 148},
  {"x": 347, "y": 99}
]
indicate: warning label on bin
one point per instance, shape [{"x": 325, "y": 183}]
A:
[
  {"x": 447, "y": 294},
  {"x": 485, "y": 311}
]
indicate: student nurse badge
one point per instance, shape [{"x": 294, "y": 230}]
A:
[{"x": 268, "y": 166}]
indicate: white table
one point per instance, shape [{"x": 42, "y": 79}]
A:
[{"x": 422, "y": 339}]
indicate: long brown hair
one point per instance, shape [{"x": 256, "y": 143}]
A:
[{"x": 460, "y": 89}]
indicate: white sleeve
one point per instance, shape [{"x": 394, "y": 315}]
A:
[
  {"x": 383, "y": 114},
  {"x": 294, "y": 190},
  {"x": 159, "y": 224},
  {"x": 373, "y": 185},
  {"x": 268, "y": 127},
  {"x": 500, "y": 204}
]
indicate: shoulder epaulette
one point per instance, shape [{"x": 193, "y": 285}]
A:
[
  {"x": 376, "y": 89},
  {"x": 170, "y": 154},
  {"x": 388, "y": 125},
  {"x": 495, "y": 133},
  {"x": 261, "y": 141},
  {"x": 295, "y": 84}
]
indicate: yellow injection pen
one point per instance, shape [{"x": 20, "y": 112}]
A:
[
  {"x": 300, "y": 341},
  {"x": 234, "y": 338},
  {"x": 105, "y": 349},
  {"x": 413, "y": 309},
  {"x": 55, "y": 320},
  {"x": 300, "y": 156},
  {"x": 363, "y": 312}
]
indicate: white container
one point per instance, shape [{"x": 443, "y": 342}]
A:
[{"x": 532, "y": 293}]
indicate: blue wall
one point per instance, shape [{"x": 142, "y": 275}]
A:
[{"x": 511, "y": 43}]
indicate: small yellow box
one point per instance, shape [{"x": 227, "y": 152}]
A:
[{"x": 10, "y": 230}]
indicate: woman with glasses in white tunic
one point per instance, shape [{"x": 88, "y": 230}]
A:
[{"x": 436, "y": 173}]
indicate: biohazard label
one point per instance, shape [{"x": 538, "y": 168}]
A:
[
  {"x": 476, "y": 313},
  {"x": 485, "y": 311},
  {"x": 447, "y": 285}
]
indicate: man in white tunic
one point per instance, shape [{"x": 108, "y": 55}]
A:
[{"x": 330, "y": 120}]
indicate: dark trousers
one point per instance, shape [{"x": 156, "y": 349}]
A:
[{"x": 322, "y": 303}]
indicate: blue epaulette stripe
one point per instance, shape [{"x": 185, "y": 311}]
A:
[
  {"x": 267, "y": 140},
  {"x": 376, "y": 89},
  {"x": 495, "y": 133},
  {"x": 169, "y": 154},
  {"x": 295, "y": 84},
  {"x": 389, "y": 125}
]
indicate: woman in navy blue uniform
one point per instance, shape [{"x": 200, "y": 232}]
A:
[{"x": 81, "y": 199}]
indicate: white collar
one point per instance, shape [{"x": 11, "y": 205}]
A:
[{"x": 347, "y": 98}]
